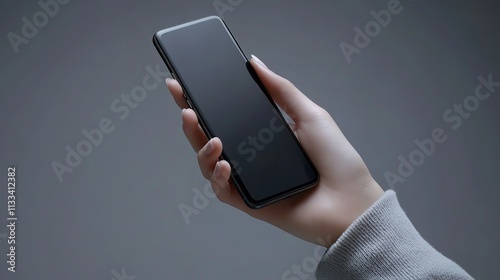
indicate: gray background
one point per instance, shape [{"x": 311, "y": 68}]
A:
[{"x": 119, "y": 207}]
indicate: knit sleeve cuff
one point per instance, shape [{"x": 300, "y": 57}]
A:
[{"x": 383, "y": 244}]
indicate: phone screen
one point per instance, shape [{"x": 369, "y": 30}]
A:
[{"x": 267, "y": 161}]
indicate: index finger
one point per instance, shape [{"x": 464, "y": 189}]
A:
[{"x": 176, "y": 90}]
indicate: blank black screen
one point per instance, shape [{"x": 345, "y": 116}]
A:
[{"x": 267, "y": 161}]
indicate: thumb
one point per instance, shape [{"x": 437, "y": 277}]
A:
[{"x": 295, "y": 104}]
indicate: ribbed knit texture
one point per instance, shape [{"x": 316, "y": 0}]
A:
[{"x": 383, "y": 244}]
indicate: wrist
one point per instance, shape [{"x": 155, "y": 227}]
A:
[{"x": 352, "y": 203}]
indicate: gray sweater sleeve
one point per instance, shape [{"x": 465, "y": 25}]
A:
[{"x": 383, "y": 244}]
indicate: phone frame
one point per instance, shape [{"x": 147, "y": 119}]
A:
[{"x": 192, "y": 104}]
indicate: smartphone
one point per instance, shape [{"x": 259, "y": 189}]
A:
[{"x": 267, "y": 162}]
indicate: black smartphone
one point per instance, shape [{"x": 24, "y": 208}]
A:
[{"x": 220, "y": 85}]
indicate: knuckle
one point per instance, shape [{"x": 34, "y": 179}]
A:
[
  {"x": 286, "y": 85},
  {"x": 205, "y": 174},
  {"x": 320, "y": 111},
  {"x": 205, "y": 170}
]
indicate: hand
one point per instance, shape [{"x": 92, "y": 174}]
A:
[{"x": 319, "y": 215}]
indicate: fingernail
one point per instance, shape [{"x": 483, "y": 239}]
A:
[
  {"x": 209, "y": 148},
  {"x": 259, "y": 61},
  {"x": 216, "y": 171},
  {"x": 216, "y": 177},
  {"x": 168, "y": 80}
]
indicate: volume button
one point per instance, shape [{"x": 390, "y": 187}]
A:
[
  {"x": 189, "y": 104},
  {"x": 174, "y": 76}
]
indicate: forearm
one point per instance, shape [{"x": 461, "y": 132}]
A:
[{"x": 383, "y": 244}]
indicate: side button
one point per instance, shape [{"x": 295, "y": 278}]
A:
[
  {"x": 174, "y": 76},
  {"x": 189, "y": 103}
]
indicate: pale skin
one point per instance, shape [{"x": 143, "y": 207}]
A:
[{"x": 319, "y": 215}]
